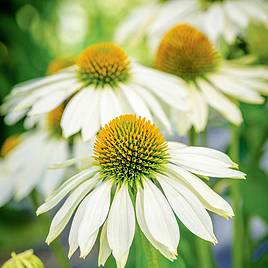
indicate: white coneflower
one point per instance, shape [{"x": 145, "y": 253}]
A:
[
  {"x": 26, "y": 259},
  {"x": 210, "y": 81},
  {"x": 133, "y": 160},
  {"x": 26, "y": 158},
  {"x": 103, "y": 83},
  {"x": 225, "y": 19}
]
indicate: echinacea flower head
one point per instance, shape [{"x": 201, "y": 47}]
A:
[
  {"x": 26, "y": 259},
  {"x": 133, "y": 162},
  {"x": 187, "y": 53},
  {"x": 210, "y": 81},
  {"x": 128, "y": 158},
  {"x": 25, "y": 158},
  {"x": 218, "y": 19},
  {"x": 103, "y": 83}
]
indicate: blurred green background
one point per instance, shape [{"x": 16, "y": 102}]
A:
[{"x": 33, "y": 33}]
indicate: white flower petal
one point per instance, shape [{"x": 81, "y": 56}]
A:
[
  {"x": 221, "y": 103},
  {"x": 122, "y": 262},
  {"x": 25, "y": 102},
  {"x": 110, "y": 106},
  {"x": 89, "y": 245},
  {"x": 245, "y": 72},
  {"x": 91, "y": 120},
  {"x": 198, "y": 151},
  {"x": 154, "y": 106},
  {"x": 159, "y": 217},
  {"x": 199, "y": 111},
  {"x": 168, "y": 88},
  {"x": 137, "y": 20},
  {"x": 235, "y": 88},
  {"x": 6, "y": 184},
  {"x": 32, "y": 166},
  {"x": 210, "y": 199},
  {"x": 121, "y": 225},
  {"x": 188, "y": 208},
  {"x": 182, "y": 121},
  {"x": 34, "y": 84},
  {"x": 51, "y": 101},
  {"x": 214, "y": 21},
  {"x": 74, "y": 113},
  {"x": 64, "y": 214},
  {"x": 105, "y": 250},
  {"x": 67, "y": 187},
  {"x": 73, "y": 235},
  {"x": 142, "y": 223},
  {"x": 96, "y": 211},
  {"x": 174, "y": 146},
  {"x": 206, "y": 163},
  {"x": 52, "y": 178},
  {"x": 237, "y": 14},
  {"x": 136, "y": 102}
]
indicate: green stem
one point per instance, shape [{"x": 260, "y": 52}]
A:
[
  {"x": 204, "y": 253},
  {"x": 192, "y": 139},
  {"x": 56, "y": 246},
  {"x": 238, "y": 245},
  {"x": 144, "y": 248},
  {"x": 203, "y": 248}
]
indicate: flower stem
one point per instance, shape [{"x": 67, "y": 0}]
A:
[
  {"x": 144, "y": 248},
  {"x": 238, "y": 226},
  {"x": 56, "y": 246},
  {"x": 203, "y": 248}
]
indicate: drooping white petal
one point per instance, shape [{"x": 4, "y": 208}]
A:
[
  {"x": 210, "y": 199},
  {"x": 199, "y": 109},
  {"x": 235, "y": 88},
  {"x": 110, "y": 106},
  {"x": 32, "y": 166},
  {"x": 206, "y": 152},
  {"x": 51, "y": 101},
  {"x": 171, "y": 13},
  {"x": 159, "y": 217},
  {"x": 137, "y": 20},
  {"x": 154, "y": 106},
  {"x": 95, "y": 213},
  {"x": 91, "y": 119},
  {"x": 121, "y": 225},
  {"x": 34, "y": 84},
  {"x": 188, "y": 208},
  {"x": 105, "y": 250},
  {"x": 182, "y": 121},
  {"x": 88, "y": 245},
  {"x": 142, "y": 223},
  {"x": 65, "y": 188},
  {"x": 51, "y": 179},
  {"x": 74, "y": 113},
  {"x": 64, "y": 214},
  {"x": 73, "y": 235},
  {"x": 174, "y": 146},
  {"x": 245, "y": 72},
  {"x": 236, "y": 13},
  {"x": 136, "y": 102},
  {"x": 221, "y": 103},
  {"x": 168, "y": 88},
  {"x": 259, "y": 85},
  {"x": 206, "y": 163},
  {"x": 6, "y": 184},
  {"x": 123, "y": 261},
  {"x": 214, "y": 21},
  {"x": 25, "y": 102}
]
